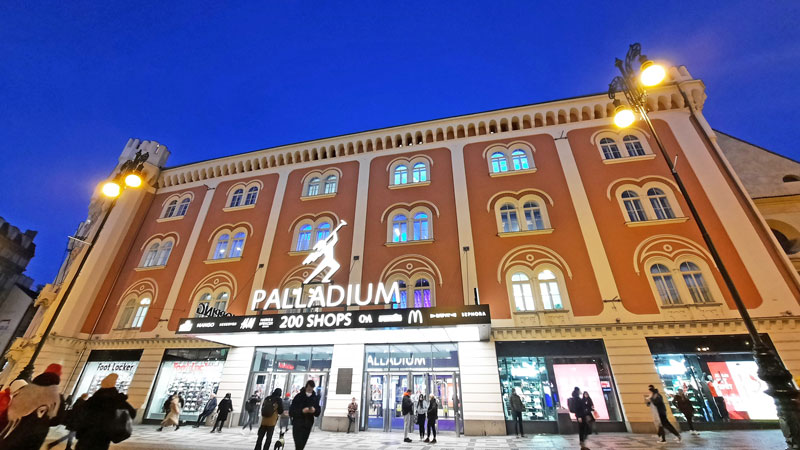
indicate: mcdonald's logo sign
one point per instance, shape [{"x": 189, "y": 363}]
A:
[{"x": 415, "y": 316}]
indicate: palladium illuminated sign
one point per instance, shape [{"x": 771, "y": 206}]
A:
[{"x": 329, "y": 295}]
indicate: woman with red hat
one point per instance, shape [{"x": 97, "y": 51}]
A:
[{"x": 33, "y": 410}]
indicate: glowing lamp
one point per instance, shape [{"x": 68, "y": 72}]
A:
[
  {"x": 623, "y": 116},
  {"x": 111, "y": 189},
  {"x": 133, "y": 180},
  {"x": 652, "y": 73}
]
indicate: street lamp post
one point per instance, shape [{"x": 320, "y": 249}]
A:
[
  {"x": 128, "y": 176},
  {"x": 770, "y": 367}
]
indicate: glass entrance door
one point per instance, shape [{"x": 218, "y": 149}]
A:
[
  {"x": 291, "y": 383},
  {"x": 443, "y": 387}
]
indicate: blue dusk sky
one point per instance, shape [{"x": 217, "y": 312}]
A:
[{"x": 212, "y": 78}]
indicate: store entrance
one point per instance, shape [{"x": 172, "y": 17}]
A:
[
  {"x": 290, "y": 383},
  {"x": 384, "y": 397}
]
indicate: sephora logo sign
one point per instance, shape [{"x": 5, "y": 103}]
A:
[{"x": 324, "y": 295}]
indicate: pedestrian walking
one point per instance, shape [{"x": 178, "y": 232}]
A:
[
  {"x": 407, "y": 410},
  {"x": 587, "y": 401},
  {"x": 351, "y": 414},
  {"x": 104, "y": 418},
  {"x": 421, "y": 408},
  {"x": 657, "y": 400},
  {"x": 70, "y": 422},
  {"x": 684, "y": 405},
  {"x": 208, "y": 410},
  {"x": 173, "y": 417},
  {"x": 433, "y": 416},
  {"x": 270, "y": 411},
  {"x": 33, "y": 410},
  {"x": 577, "y": 406},
  {"x": 223, "y": 409},
  {"x": 5, "y": 400},
  {"x": 517, "y": 408},
  {"x": 251, "y": 410},
  {"x": 656, "y": 419},
  {"x": 305, "y": 407},
  {"x": 284, "y": 423}
]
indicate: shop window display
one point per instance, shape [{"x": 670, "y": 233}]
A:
[
  {"x": 528, "y": 376},
  {"x": 95, "y": 371},
  {"x": 195, "y": 374}
]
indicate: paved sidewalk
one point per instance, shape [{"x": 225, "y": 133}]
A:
[{"x": 145, "y": 437}]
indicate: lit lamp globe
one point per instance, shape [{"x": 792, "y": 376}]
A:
[
  {"x": 133, "y": 180},
  {"x": 652, "y": 73},
  {"x": 111, "y": 189},
  {"x": 623, "y": 116}
]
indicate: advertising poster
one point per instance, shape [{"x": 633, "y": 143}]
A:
[
  {"x": 738, "y": 383},
  {"x": 584, "y": 376}
]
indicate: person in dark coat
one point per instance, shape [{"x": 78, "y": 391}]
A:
[
  {"x": 407, "y": 409},
  {"x": 70, "y": 422},
  {"x": 251, "y": 408},
  {"x": 32, "y": 411},
  {"x": 267, "y": 427},
  {"x": 223, "y": 409},
  {"x": 305, "y": 407},
  {"x": 517, "y": 408},
  {"x": 587, "y": 401},
  {"x": 658, "y": 401},
  {"x": 433, "y": 416},
  {"x": 208, "y": 410},
  {"x": 577, "y": 406},
  {"x": 684, "y": 405},
  {"x": 93, "y": 417}
]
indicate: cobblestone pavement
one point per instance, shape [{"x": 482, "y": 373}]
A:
[{"x": 145, "y": 437}]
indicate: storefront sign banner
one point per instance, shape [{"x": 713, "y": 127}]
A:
[{"x": 320, "y": 321}]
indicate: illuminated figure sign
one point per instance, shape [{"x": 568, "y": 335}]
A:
[{"x": 324, "y": 248}]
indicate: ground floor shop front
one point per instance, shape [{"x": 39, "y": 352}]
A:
[{"x": 471, "y": 378}]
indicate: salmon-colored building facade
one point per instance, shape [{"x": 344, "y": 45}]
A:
[{"x": 571, "y": 230}]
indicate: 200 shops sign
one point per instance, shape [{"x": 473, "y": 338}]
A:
[{"x": 320, "y": 321}]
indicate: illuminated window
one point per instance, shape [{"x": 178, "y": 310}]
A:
[
  {"x": 693, "y": 277},
  {"x": 402, "y": 301},
  {"x": 499, "y": 162},
  {"x": 519, "y": 159},
  {"x": 221, "y": 250},
  {"x": 523, "y": 293},
  {"x": 313, "y": 187},
  {"x": 420, "y": 226},
  {"x": 419, "y": 173},
  {"x": 660, "y": 203},
  {"x": 163, "y": 253},
  {"x": 134, "y": 313},
  {"x": 549, "y": 291},
  {"x": 422, "y": 293},
  {"x": 533, "y": 216},
  {"x": 152, "y": 256},
  {"x": 665, "y": 285},
  {"x": 323, "y": 230},
  {"x": 252, "y": 196},
  {"x": 141, "y": 312},
  {"x": 400, "y": 228},
  {"x": 633, "y": 206},
  {"x": 330, "y": 184},
  {"x": 237, "y": 245},
  {"x": 221, "y": 302},
  {"x": 401, "y": 175},
  {"x": 508, "y": 216},
  {"x": 633, "y": 146},
  {"x": 610, "y": 149},
  {"x": 304, "y": 238},
  {"x": 204, "y": 302}
]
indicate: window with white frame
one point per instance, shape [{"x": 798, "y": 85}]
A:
[
  {"x": 331, "y": 183},
  {"x": 665, "y": 284},
  {"x": 401, "y": 174},
  {"x": 308, "y": 233},
  {"x": 610, "y": 148},
  {"x": 410, "y": 226},
  {"x": 610, "y": 143},
  {"x": 237, "y": 245},
  {"x": 313, "y": 187},
  {"x": 507, "y": 159},
  {"x": 519, "y": 160},
  {"x": 400, "y": 228},
  {"x": 419, "y": 173},
  {"x": 151, "y": 256},
  {"x": 183, "y": 207},
  {"x": 633, "y": 145},
  {"x": 633, "y": 206},
  {"x": 171, "y": 207},
  {"x": 163, "y": 253},
  {"x": 229, "y": 244},
  {"x": 134, "y": 312},
  {"x": 499, "y": 162},
  {"x": 695, "y": 282},
  {"x": 521, "y": 215},
  {"x": 415, "y": 292},
  {"x": 542, "y": 289},
  {"x": 221, "y": 250},
  {"x": 660, "y": 204},
  {"x": 409, "y": 171},
  {"x": 323, "y": 231},
  {"x": 304, "y": 238},
  {"x": 252, "y": 196},
  {"x": 236, "y": 198}
]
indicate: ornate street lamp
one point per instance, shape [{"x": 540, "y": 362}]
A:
[
  {"x": 770, "y": 367},
  {"x": 129, "y": 176}
]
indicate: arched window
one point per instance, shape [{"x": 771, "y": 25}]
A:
[
  {"x": 693, "y": 277},
  {"x": 171, "y": 209},
  {"x": 203, "y": 304},
  {"x": 313, "y": 187},
  {"x": 152, "y": 255},
  {"x": 252, "y": 196},
  {"x": 141, "y": 312},
  {"x": 660, "y": 203},
  {"x": 422, "y": 294},
  {"x": 610, "y": 149},
  {"x": 523, "y": 293},
  {"x": 665, "y": 285},
  {"x": 548, "y": 288},
  {"x": 401, "y": 174},
  {"x": 499, "y": 162},
  {"x": 420, "y": 226},
  {"x": 222, "y": 301},
  {"x": 402, "y": 301},
  {"x": 400, "y": 228},
  {"x": 633, "y": 206},
  {"x": 419, "y": 173},
  {"x": 236, "y": 199},
  {"x": 304, "y": 238},
  {"x": 508, "y": 215},
  {"x": 323, "y": 230},
  {"x": 163, "y": 253},
  {"x": 330, "y": 184},
  {"x": 183, "y": 207},
  {"x": 519, "y": 159},
  {"x": 633, "y": 146},
  {"x": 221, "y": 251},
  {"x": 533, "y": 216},
  {"x": 237, "y": 245}
]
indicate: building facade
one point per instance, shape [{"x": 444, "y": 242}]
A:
[
  {"x": 16, "y": 297},
  {"x": 570, "y": 231}
]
